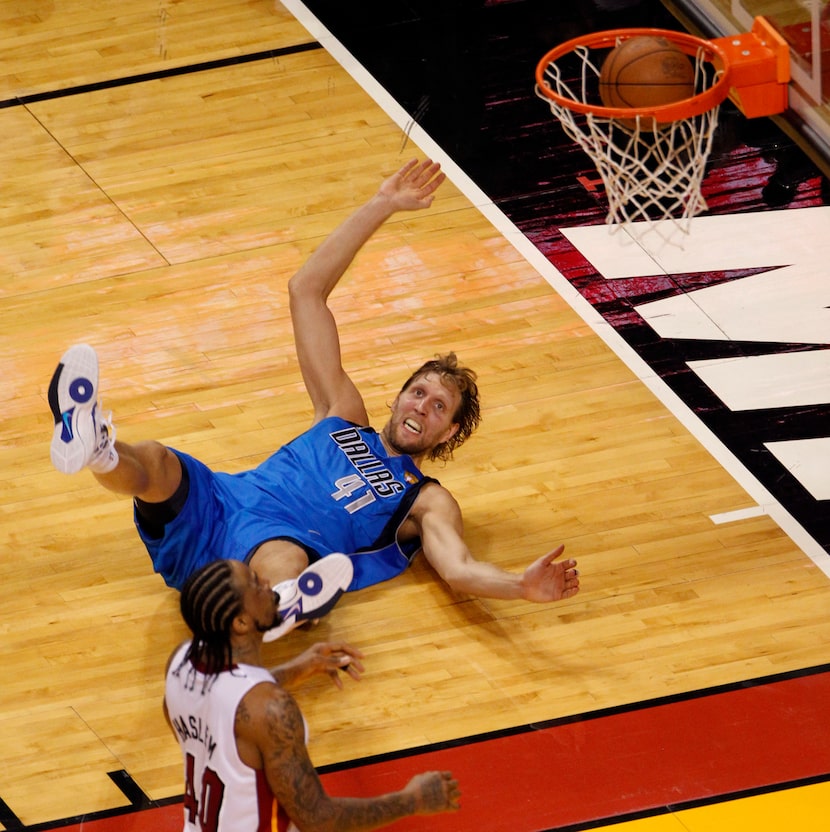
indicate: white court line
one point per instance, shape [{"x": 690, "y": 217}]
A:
[
  {"x": 789, "y": 525},
  {"x": 738, "y": 514}
]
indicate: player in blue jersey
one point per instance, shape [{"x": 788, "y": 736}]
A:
[{"x": 340, "y": 487}]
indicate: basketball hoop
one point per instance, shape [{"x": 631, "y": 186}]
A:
[{"x": 652, "y": 159}]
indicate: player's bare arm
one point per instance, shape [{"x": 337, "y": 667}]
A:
[
  {"x": 328, "y": 658},
  {"x": 315, "y": 330},
  {"x": 275, "y": 723},
  {"x": 439, "y": 519}
]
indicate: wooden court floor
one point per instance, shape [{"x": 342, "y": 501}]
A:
[{"x": 159, "y": 220}]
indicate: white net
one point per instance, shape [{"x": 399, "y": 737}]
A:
[{"x": 651, "y": 171}]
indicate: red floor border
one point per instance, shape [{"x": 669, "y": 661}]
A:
[{"x": 640, "y": 759}]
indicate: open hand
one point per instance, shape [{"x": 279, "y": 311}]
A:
[
  {"x": 549, "y": 579},
  {"x": 325, "y": 657},
  {"x": 413, "y": 186}
]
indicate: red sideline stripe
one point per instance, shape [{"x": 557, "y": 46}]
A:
[
  {"x": 634, "y": 761},
  {"x": 625, "y": 762},
  {"x": 160, "y": 819}
]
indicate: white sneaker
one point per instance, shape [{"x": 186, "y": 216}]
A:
[
  {"x": 312, "y": 594},
  {"x": 83, "y": 437}
]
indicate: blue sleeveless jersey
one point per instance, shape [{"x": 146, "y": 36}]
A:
[{"x": 332, "y": 489}]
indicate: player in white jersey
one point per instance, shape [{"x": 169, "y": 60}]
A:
[
  {"x": 434, "y": 412},
  {"x": 202, "y": 711},
  {"x": 242, "y": 736}
]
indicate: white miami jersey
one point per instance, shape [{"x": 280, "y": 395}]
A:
[{"x": 221, "y": 793}]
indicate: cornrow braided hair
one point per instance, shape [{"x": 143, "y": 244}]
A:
[
  {"x": 210, "y": 601},
  {"x": 468, "y": 415}
]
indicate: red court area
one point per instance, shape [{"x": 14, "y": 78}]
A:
[{"x": 638, "y": 760}]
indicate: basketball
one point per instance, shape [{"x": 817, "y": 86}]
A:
[{"x": 646, "y": 71}]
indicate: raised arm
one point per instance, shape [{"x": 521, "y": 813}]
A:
[
  {"x": 315, "y": 330},
  {"x": 438, "y": 517},
  {"x": 269, "y": 718}
]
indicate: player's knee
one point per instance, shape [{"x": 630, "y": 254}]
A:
[
  {"x": 159, "y": 469},
  {"x": 279, "y": 560}
]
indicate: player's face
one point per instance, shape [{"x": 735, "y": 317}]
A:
[
  {"x": 422, "y": 416},
  {"x": 259, "y": 601}
]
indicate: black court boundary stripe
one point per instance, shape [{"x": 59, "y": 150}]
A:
[
  {"x": 104, "y": 814},
  {"x": 586, "y": 716},
  {"x": 7, "y": 817},
  {"x": 130, "y": 789},
  {"x": 139, "y": 802},
  {"x": 187, "y": 69}
]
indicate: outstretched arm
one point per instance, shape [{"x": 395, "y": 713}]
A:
[
  {"x": 269, "y": 718},
  {"x": 315, "y": 330},
  {"x": 442, "y": 536},
  {"x": 329, "y": 658}
]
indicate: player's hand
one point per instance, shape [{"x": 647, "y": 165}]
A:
[
  {"x": 549, "y": 579},
  {"x": 435, "y": 791},
  {"x": 413, "y": 186},
  {"x": 334, "y": 658},
  {"x": 326, "y": 657}
]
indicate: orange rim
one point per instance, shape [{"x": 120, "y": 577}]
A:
[{"x": 678, "y": 110}]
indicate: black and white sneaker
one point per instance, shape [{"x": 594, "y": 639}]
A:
[
  {"x": 312, "y": 594},
  {"x": 83, "y": 437}
]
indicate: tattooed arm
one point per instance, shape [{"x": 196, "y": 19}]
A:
[{"x": 271, "y": 735}]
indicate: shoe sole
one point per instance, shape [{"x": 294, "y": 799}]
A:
[
  {"x": 73, "y": 392},
  {"x": 321, "y": 585}
]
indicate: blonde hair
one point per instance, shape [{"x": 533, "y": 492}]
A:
[{"x": 468, "y": 414}]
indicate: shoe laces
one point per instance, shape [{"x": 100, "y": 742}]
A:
[
  {"x": 105, "y": 425},
  {"x": 106, "y": 431}
]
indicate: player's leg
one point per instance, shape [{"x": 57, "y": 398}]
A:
[
  {"x": 306, "y": 591},
  {"x": 84, "y": 436},
  {"x": 278, "y": 560},
  {"x": 147, "y": 470},
  {"x": 153, "y": 474}
]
